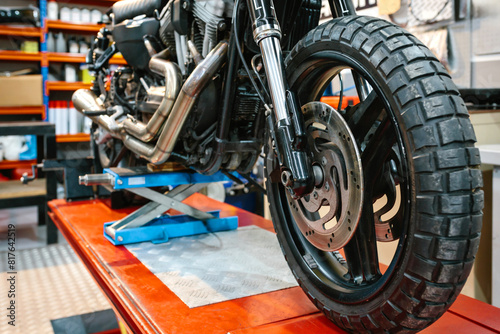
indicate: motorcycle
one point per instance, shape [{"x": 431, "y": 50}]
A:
[{"x": 210, "y": 84}]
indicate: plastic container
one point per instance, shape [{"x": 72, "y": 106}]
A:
[
  {"x": 84, "y": 47},
  {"x": 29, "y": 152},
  {"x": 73, "y": 46},
  {"x": 52, "y": 10},
  {"x": 86, "y": 76},
  {"x": 76, "y": 16},
  {"x": 60, "y": 43},
  {"x": 96, "y": 16},
  {"x": 61, "y": 117},
  {"x": 51, "y": 42},
  {"x": 69, "y": 73},
  {"x": 85, "y": 16},
  {"x": 65, "y": 14},
  {"x": 52, "y": 112},
  {"x": 13, "y": 146},
  {"x": 73, "y": 119}
]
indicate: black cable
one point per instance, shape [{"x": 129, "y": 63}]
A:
[
  {"x": 431, "y": 20},
  {"x": 240, "y": 53},
  {"x": 254, "y": 183},
  {"x": 123, "y": 103},
  {"x": 258, "y": 76},
  {"x": 204, "y": 134},
  {"x": 341, "y": 95}
]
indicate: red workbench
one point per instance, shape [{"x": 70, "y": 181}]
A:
[{"x": 146, "y": 305}]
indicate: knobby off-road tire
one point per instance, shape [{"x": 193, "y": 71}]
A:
[{"x": 442, "y": 224}]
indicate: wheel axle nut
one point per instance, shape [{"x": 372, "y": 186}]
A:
[
  {"x": 318, "y": 175},
  {"x": 286, "y": 179}
]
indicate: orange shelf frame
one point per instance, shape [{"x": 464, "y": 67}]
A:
[
  {"x": 333, "y": 101},
  {"x": 19, "y": 56},
  {"x": 66, "y": 86},
  {"x": 79, "y": 137},
  {"x": 6, "y": 30},
  {"x": 79, "y": 58},
  {"x": 28, "y": 110},
  {"x": 68, "y": 26},
  {"x": 12, "y": 164}
]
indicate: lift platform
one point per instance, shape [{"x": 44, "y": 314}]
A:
[
  {"x": 146, "y": 305},
  {"x": 150, "y": 222}
]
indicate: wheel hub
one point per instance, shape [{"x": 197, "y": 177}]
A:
[{"x": 329, "y": 215}]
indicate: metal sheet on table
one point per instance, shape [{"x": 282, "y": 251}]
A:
[{"x": 212, "y": 268}]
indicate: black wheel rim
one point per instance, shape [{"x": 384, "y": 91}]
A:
[{"x": 312, "y": 76}]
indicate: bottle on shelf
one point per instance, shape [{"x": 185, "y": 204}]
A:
[
  {"x": 70, "y": 73},
  {"x": 75, "y": 15},
  {"x": 86, "y": 125},
  {"x": 74, "y": 127},
  {"x": 51, "y": 42},
  {"x": 64, "y": 117},
  {"x": 73, "y": 46},
  {"x": 85, "y": 73},
  {"x": 84, "y": 47},
  {"x": 61, "y": 116},
  {"x": 52, "y": 10},
  {"x": 52, "y": 112},
  {"x": 85, "y": 15},
  {"x": 60, "y": 43},
  {"x": 96, "y": 16},
  {"x": 65, "y": 14}
]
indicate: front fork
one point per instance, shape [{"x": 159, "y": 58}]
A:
[{"x": 287, "y": 125}]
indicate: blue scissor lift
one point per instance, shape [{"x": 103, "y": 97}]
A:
[{"x": 150, "y": 223}]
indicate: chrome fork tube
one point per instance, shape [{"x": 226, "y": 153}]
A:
[
  {"x": 287, "y": 125},
  {"x": 272, "y": 58},
  {"x": 267, "y": 35}
]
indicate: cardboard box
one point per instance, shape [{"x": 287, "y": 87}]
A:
[{"x": 23, "y": 90}]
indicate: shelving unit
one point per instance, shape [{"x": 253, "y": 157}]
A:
[
  {"x": 65, "y": 86},
  {"x": 20, "y": 56},
  {"x": 36, "y": 110},
  {"x": 44, "y": 58},
  {"x": 74, "y": 27},
  {"x": 11, "y": 164},
  {"x": 20, "y": 31},
  {"x": 79, "y": 58},
  {"x": 75, "y": 138}
]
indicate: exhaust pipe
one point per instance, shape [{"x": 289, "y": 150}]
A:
[
  {"x": 193, "y": 86},
  {"x": 173, "y": 79},
  {"x": 85, "y": 100}
]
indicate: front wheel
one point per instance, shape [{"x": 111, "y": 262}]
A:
[{"x": 400, "y": 171}]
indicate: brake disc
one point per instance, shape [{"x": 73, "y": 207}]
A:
[{"x": 328, "y": 217}]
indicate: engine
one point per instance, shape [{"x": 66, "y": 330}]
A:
[
  {"x": 209, "y": 16},
  {"x": 186, "y": 31}
]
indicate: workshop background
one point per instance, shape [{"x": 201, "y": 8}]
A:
[{"x": 42, "y": 63}]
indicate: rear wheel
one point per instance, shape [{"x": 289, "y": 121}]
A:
[{"x": 399, "y": 169}]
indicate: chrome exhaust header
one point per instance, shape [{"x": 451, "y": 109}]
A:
[
  {"x": 173, "y": 79},
  {"x": 190, "y": 91},
  {"x": 86, "y": 100}
]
